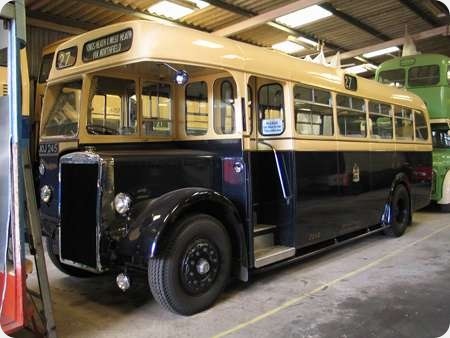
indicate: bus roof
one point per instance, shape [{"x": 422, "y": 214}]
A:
[
  {"x": 153, "y": 41},
  {"x": 414, "y": 60}
]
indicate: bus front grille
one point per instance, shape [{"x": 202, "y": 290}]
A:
[{"x": 78, "y": 211}]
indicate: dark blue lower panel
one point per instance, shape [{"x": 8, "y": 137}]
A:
[{"x": 333, "y": 193}]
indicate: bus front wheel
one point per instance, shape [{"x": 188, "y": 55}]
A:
[
  {"x": 193, "y": 268},
  {"x": 400, "y": 212}
]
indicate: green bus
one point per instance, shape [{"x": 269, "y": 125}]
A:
[{"x": 428, "y": 75}]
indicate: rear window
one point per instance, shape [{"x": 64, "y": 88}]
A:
[
  {"x": 423, "y": 76},
  {"x": 393, "y": 77}
]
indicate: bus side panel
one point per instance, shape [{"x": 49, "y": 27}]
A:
[{"x": 317, "y": 193}]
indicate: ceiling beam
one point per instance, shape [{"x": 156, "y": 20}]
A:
[
  {"x": 263, "y": 18},
  {"x": 54, "y": 26},
  {"x": 420, "y": 12},
  {"x": 442, "y": 30},
  {"x": 59, "y": 20},
  {"x": 354, "y": 21}
]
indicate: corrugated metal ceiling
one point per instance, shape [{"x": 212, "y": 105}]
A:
[{"x": 388, "y": 17}]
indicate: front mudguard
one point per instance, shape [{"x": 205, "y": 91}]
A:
[{"x": 150, "y": 229}]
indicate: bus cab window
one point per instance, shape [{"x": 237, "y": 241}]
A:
[
  {"x": 380, "y": 120},
  {"x": 156, "y": 109},
  {"x": 271, "y": 109},
  {"x": 46, "y": 65},
  {"x": 393, "y": 77},
  {"x": 403, "y": 123},
  {"x": 197, "y": 108},
  {"x": 224, "y": 98},
  {"x": 112, "y": 107},
  {"x": 421, "y": 126},
  {"x": 351, "y": 116},
  {"x": 313, "y": 111},
  {"x": 249, "y": 109}
]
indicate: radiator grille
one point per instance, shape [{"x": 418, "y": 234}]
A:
[
  {"x": 78, "y": 233},
  {"x": 4, "y": 89}
]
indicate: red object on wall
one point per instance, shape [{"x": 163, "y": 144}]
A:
[{"x": 13, "y": 310}]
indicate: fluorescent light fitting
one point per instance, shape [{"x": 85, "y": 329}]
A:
[
  {"x": 199, "y": 3},
  {"x": 381, "y": 52},
  {"x": 303, "y": 16},
  {"x": 288, "y": 47},
  {"x": 169, "y": 9},
  {"x": 307, "y": 41}
]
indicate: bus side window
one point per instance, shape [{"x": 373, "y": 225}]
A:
[
  {"x": 156, "y": 109},
  {"x": 249, "y": 109},
  {"x": 271, "y": 109},
  {"x": 380, "y": 120},
  {"x": 196, "y": 96},
  {"x": 421, "y": 125},
  {"x": 403, "y": 123},
  {"x": 313, "y": 111},
  {"x": 224, "y": 113},
  {"x": 351, "y": 116}
]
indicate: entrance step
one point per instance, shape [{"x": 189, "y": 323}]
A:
[
  {"x": 273, "y": 254},
  {"x": 261, "y": 229}
]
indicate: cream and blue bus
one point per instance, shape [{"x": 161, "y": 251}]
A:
[{"x": 197, "y": 159}]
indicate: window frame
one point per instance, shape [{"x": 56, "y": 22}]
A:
[
  {"x": 332, "y": 106},
  {"x": 427, "y": 124},
  {"x": 403, "y": 140},
  {"x": 283, "y": 109},
  {"x": 172, "y": 108},
  {"x": 365, "y": 112},
  {"x": 90, "y": 95},
  {"x": 217, "y": 113},
  {"x": 207, "y": 131},
  {"x": 391, "y": 116}
]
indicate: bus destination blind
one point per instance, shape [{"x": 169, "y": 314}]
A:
[{"x": 108, "y": 45}]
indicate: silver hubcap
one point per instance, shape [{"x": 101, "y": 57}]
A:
[{"x": 202, "y": 266}]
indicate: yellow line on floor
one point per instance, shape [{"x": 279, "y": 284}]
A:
[{"x": 326, "y": 285}]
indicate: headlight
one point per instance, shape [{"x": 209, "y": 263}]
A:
[
  {"x": 46, "y": 193},
  {"x": 41, "y": 168},
  {"x": 122, "y": 203}
]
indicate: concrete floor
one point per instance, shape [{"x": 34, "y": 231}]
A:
[{"x": 376, "y": 287}]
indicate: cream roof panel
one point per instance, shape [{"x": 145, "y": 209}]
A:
[{"x": 155, "y": 41}]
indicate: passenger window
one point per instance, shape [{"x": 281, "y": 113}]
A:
[
  {"x": 224, "y": 114},
  {"x": 197, "y": 108},
  {"x": 271, "y": 109},
  {"x": 351, "y": 115},
  {"x": 156, "y": 109},
  {"x": 380, "y": 120},
  {"x": 403, "y": 123},
  {"x": 112, "y": 107},
  {"x": 423, "y": 76},
  {"x": 421, "y": 125},
  {"x": 313, "y": 111}
]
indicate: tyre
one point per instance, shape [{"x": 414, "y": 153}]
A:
[
  {"x": 194, "y": 266},
  {"x": 400, "y": 212},
  {"x": 67, "y": 269}
]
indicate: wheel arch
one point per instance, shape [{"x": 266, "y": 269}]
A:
[
  {"x": 173, "y": 206},
  {"x": 399, "y": 179}
]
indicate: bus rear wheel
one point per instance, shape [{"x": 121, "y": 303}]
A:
[
  {"x": 193, "y": 268},
  {"x": 400, "y": 212}
]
